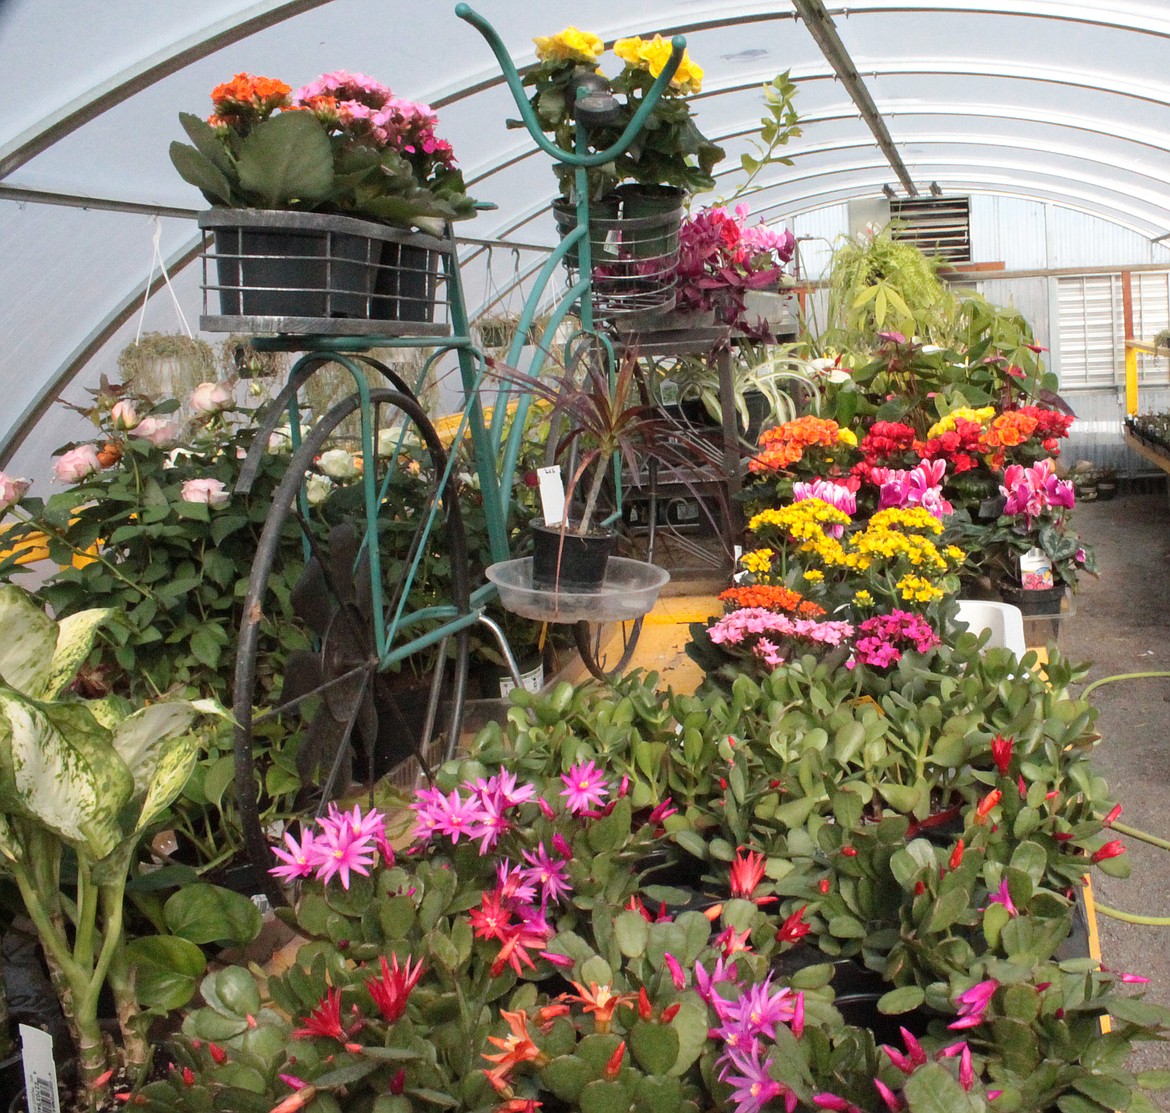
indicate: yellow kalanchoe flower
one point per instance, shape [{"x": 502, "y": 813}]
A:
[
  {"x": 570, "y": 45},
  {"x": 653, "y": 54},
  {"x": 758, "y": 561}
]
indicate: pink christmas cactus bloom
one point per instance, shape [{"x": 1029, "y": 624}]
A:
[
  {"x": 585, "y": 787},
  {"x": 973, "y": 1004}
]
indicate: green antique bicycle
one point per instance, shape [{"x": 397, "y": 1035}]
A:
[{"x": 370, "y": 526}]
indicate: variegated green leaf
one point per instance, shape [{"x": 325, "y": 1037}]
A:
[
  {"x": 9, "y": 845},
  {"x": 175, "y": 762},
  {"x": 75, "y": 637},
  {"x": 28, "y": 639},
  {"x": 139, "y": 738},
  {"x": 57, "y": 767},
  {"x": 109, "y": 710}
]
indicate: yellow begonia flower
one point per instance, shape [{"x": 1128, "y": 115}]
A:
[
  {"x": 653, "y": 55},
  {"x": 847, "y": 436},
  {"x": 570, "y": 45}
]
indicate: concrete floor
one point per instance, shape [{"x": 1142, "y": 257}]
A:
[{"x": 1120, "y": 625}]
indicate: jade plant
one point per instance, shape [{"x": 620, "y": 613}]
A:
[{"x": 81, "y": 782}]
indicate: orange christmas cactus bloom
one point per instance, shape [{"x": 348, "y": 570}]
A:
[
  {"x": 601, "y": 1001},
  {"x": 515, "y": 1048}
]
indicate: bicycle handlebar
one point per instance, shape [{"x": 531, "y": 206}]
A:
[{"x": 512, "y": 77}]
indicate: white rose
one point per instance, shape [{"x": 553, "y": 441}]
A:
[
  {"x": 317, "y": 488},
  {"x": 338, "y": 463}
]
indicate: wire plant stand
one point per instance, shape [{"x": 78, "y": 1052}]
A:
[{"x": 363, "y": 635}]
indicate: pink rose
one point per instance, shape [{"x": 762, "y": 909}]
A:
[
  {"x": 12, "y": 490},
  {"x": 211, "y": 492},
  {"x": 77, "y": 463},
  {"x": 160, "y": 433},
  {"x": 210, "y": 398},
  {"x": 123, "y": 415}
]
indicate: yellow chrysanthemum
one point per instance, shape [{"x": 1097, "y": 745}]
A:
[
  {"x": 571, "y": 45},
  {"x": 653, "y": 54}
]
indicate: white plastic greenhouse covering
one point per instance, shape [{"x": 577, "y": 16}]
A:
[{"x": 1060, "y": 101}]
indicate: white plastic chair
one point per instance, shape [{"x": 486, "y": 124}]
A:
[{"x": 1005, "y": 622}]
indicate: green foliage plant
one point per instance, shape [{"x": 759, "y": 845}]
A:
[{"x": 81, "y": 782}]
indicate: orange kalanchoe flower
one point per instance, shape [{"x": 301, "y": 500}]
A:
[
  {"x": 785, "y": 444},
  {"x": 245, "y": 89},
  {"x": 771, "y": 597},
  {"x": 1010, "y": 429}
]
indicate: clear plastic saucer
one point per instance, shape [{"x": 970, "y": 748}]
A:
[{"x": 629, "y": 591}]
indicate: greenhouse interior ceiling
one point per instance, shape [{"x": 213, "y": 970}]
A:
[{"x": 1056, "y": 101}]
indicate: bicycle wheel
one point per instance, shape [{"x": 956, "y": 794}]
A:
[{"x": 308, "y": 661}]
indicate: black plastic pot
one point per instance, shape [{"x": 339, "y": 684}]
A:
[
  {"x": 1033, "y": 601},
  {"x": 566, "y": 561}
]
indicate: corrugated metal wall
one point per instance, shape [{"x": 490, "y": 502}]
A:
[{"x": 1028, "y": 235}]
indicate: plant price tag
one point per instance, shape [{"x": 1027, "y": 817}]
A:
[
  {"x": 552, "y": 495},
  {"x": 1035, "y": 570},
  {"x": 40, "y": 1072}
]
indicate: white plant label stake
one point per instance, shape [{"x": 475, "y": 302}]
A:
[
  {"x": 552, "y": 495},
  {"x": 40, "y": 1072}
]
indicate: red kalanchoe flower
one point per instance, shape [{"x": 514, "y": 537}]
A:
[
  {"x": 1001, "y": 753},
  {"x": 1110, "y": 850}
]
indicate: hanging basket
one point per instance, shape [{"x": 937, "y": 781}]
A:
[
  {"x": 634, "y": 237},
  {"x": 299, "y": 273}
]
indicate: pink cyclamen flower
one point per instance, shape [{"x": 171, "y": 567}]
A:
[
  {"x": 585, "y": 787},
  {"x": 973, "y": 1004},
  {"x": 210, "y": 398},
  {"x": 12, "y": 490},
  {"x": 76, "y": 464},
  {"x": 210, "y": 492},
  {"x": 160, "y": 433}
]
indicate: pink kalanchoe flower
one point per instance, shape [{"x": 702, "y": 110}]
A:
[
  {"x": 973, "y": 1004},
  {"x": 585, "y": 787}
]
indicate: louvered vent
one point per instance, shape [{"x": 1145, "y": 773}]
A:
[{"x": 938, "y": 226}]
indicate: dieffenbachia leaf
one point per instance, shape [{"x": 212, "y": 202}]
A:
[
  {"x": 75, "y": 638},
  {"x": 140, "y": 738},
  {"x": 28, "y": 640},
  {"x": 58, "y": 768},
  {"x": 176, "y": 760}
]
